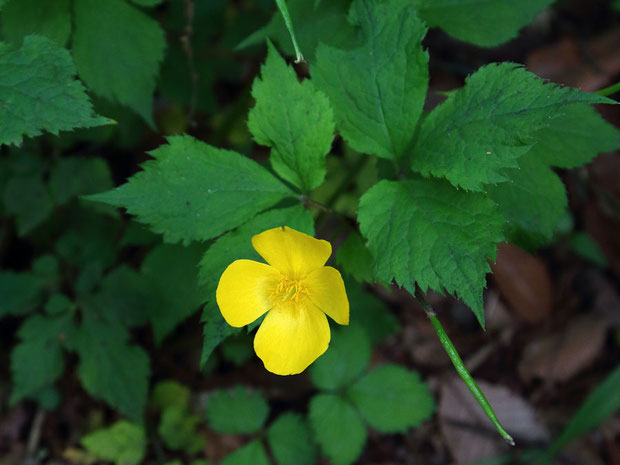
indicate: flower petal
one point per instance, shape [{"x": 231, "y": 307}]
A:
[
  {"x": 243, "y": 291},
  {"x": 293, "y": 253},
  {"x": 291, "y": 338},
  {"x": 326, "y": 291}
]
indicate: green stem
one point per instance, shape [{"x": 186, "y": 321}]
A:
[
  {"x": 461, "y": 369},
  {"x": 607, "y": 91},
  {"x": 289, "y": 25}
]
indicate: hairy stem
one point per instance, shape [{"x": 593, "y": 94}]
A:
[{"x": 460, "y": 367}]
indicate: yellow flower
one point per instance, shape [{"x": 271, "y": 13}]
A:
[{"x": 295, "y": 288}]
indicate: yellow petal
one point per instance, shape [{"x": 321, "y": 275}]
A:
[
  {"x": 326, "y": 291},
  {"x": 291, "y": 338},
  {"x": 243, "y": 291},
  {"x": 293, "y": 253}
]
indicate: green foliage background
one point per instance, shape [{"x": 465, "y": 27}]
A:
[{"x": 422, "y": 197}]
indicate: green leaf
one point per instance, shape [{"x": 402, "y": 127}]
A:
[
  {"x": 193, "y": 191},
  {"x": 123, "y": 443},
  {"x": 290, "y": 440},
  {"x": 147, "y": 3},
  {"x": 90, "y": 240},
  {"x": 236, "y": 411},
  {"x": 533, "y": 200},
  {"x": 59, "y": 304},
  {"x": 214, "y": 331},
  {"x": 110, "y": 368},
  {"x": 294, "y": 119},
  {"x": 38, "y": 360},
  {"x": 601, "y": 403},
  {"x": 26, "y": 196},
  {"x": 171, "y": 272},
  {"x": 20, "y": 293},
  {"x": 371, "y": 313},
  {"x": 354, "y": 258},
  {"x": 329, "y": 17},
  {"x": 347, "y": 357},
  {"x": 126, "y": 295},
  {"x": 238, "y": 349},
  {"x": 338, "y": 428},
  {"x": 486, "y": 23},
  {"x": 392, "y": 399},
  {"x": 483, "y": 128},
  {"x": 377, "y": 90},
  {"x": 252, "y": 453},
  {"x": 73, "y": 176},
  {"x": 170, "y": 393},
  {"x": 575, "y": 137},
  {"x": 49, "y": 18},
  {"x": 38, "y": 84},
  {"x": 429, "y": 233},
  {"x": 234, "y": 246},
  {"x": 177, "y": 427},
  {"x": 117, "y": 51},
  {"x": 586, "y": 247}
]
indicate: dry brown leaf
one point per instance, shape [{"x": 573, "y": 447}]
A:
[
  {"x": 558, "y": 356},
  {"x": 588, "y": 66},
  {"x": 470, "y": 435},
  {"x": 524, "y": 282}
]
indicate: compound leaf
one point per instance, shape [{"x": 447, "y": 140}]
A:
[
  {"x": 252, "y": 453},
  {"x": 533, "y": 200},
  {"x": 290, "y": 440},
  {"x": 20, "y": 293},
  {"x": 575, "y": 138},
  {"x": 117, "y": 50},
  {"x": 72, "y": 176},
  {"x": 378, "y": 89},
  {"x": 392, "y": 399},
  {"x": 123, "y": 443},
  {"x": 338, "y": 428},
  {"x": 486, "y": 23},
  {"x": 110, "y": 368},
  {"x": 371, "y": 313},
  {"x": 27, "y": 197},
  {"x": 172, "y": 275},
  {"x": 193, "y": 191},
  {"x": 38, "y": 360},
  {"x": 353, "y": 258},
  {"x": 483, "y": 128},
  {"x": 294, "y": 119},
  {"x": 236, "y": 411},
  {"x": 427, "y": 232},
  {"x": 347, "y": 357},
  {"x": 39, "y": 92},
  {"x": 177, "y": 427}
]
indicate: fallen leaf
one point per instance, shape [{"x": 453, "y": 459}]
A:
[
  {"x": 524, "y": 282},
  {"x": 558, "y": 356},
  {"x": 470, "y": 435}
]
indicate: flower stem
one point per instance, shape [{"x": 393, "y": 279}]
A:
[
  {"x": 607, "y": 91},
  {"x": 289, "y": 25},
  {"x": 460, "y": 367}
]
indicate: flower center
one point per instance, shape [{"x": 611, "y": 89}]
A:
[{"x": 289, "y": 290}]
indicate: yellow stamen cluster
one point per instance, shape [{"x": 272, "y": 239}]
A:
[{"x": 291, "y": 290}]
